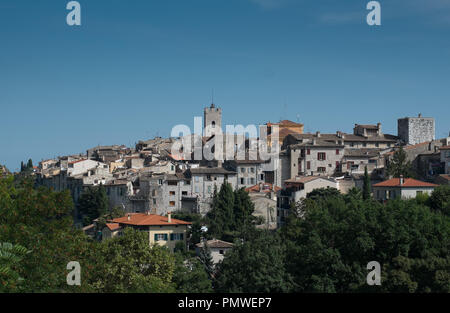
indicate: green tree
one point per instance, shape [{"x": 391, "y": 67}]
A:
[
  {"x": 256, "y": 265},
  {"x": 399, "y": 165},
  {"x": 10, "y": 258},
  {"x": 128, "y": 264},
  {"x": 366, "y": 187},
  {"x": 190, "y": 276},
  {"x": 243, "y": 209},
  {"x": 93, "y": 203},
  {"x": 30, "y": 164},
  {"x": 41, "y": 219},
  {"x": 206, "y": 260},
  {"x": 440, "y": 199},
  {"x": 220, "y": 218},
  {"x": 329, "y": 246}
]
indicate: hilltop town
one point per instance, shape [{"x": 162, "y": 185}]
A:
[{"x": 148, "y": 178}]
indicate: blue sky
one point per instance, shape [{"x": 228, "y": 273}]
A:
[{"x": 136, "y": 68}]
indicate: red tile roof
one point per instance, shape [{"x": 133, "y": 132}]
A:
[
  {"x": 142, "y": 219},
  {"x": 113, "y": 226},
  {"x": 267, "y": 187},
  {"x": 407, "y": 183},
  {"x": 77, "y": 161}
]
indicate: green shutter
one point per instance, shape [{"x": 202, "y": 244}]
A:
[
  {"x": 156, "y": 237},
  {"x": 165, "y": 237},
  {"x": 171, "y": 236},
  {"x": 181, "y": 236}
]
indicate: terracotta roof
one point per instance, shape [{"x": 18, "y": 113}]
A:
[
  {"x": 302, "y": 179},
  {"x": 143, "y": 219},
  {"x": 407, "y": 183},
  {"x": 113, "y": 226},
  {"x": 267, "y": 187},
  {"x": 285, "y": 123},
  {"x": 215, "y": 243},
  {"x": 77, "y": 161}
]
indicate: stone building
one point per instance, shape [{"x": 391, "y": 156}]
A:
[
  {"x": 404, "y": 188},
  {"x": 217, "y": 247},
  {"x": 298, "y": 188},
  {"x": 249, "y": 172},
  {"x": 212, "y": 119},
  {"x": 415, "y": 130},
  {"x": 315, "y": 157},
  {"x": 445, "y": 158}
]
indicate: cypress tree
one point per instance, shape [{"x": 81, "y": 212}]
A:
[{"x": 366, "y": 186}]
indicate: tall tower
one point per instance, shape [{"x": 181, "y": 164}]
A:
[
  {"x": 414, "y": 130},
  {"x": 212, "y": 119}
]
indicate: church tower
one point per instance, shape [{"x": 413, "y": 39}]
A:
[{"x": 212, "y": 119}]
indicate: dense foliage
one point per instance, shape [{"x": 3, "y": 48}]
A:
[
  {"x": 230, "y": 214},
  {"x": 325, "y": 246},
  {"x": 93, "y": 203}
]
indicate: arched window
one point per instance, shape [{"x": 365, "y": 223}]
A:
[{"x": 213, "y": 124}]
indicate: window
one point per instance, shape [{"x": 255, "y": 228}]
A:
[
  {"x": 242, "y": 181},
  {"x": 208, "y": 177},
  {"x": 419, "y": 193},
  {"x": 308, "y": 151},
  {"x": 252, "y": 181},
  {"x": 184, "y": 193},
  {"x": 197, "y": 190},
  {"x": 172, "y": 183},
  {"x": 321, "y": 169},
  {"x": 176, "y": 236},
  {"x": 209, "y": 189},
  {"x": 364, "y": 144},
  {"x": 221, "y": 252},
  {"x": 242, "y": 169},
  {"x": 172, "y": 203},
  {"x": 160, "y": 181},
  {"x": 377, "y": 145},
  {"x": 172, "y": 193},
  {"x": 196, "y": 179},
  {"x": 262, "y": 176},
  {"x": 252, "y": 169},
  {"x": 161, "y": 237},
  {"x": 337, "y": 151},
  {"x": 154, "y": 201},
  {"x": 321, "y": 156},
  {"x": 308, "y": 165}
]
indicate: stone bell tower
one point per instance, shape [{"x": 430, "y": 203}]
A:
[{"x": 212, "y": 119}]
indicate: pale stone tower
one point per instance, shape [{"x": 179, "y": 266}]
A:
[
  {"x": 212, "y": 119},
  {"x": 414, "y": 130}
]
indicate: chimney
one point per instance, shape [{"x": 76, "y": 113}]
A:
[
  {"x": 129, "y": 217},
  {"x": 401, "y": 180},
  {"x": 318, "y": 134},
  {"x": 169, "y": 217},
  {"x": 420, "y": 115},
  {"x": 148, "y": 212}
]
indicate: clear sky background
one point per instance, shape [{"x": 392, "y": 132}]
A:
[{"x": 136, "y": 68}]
